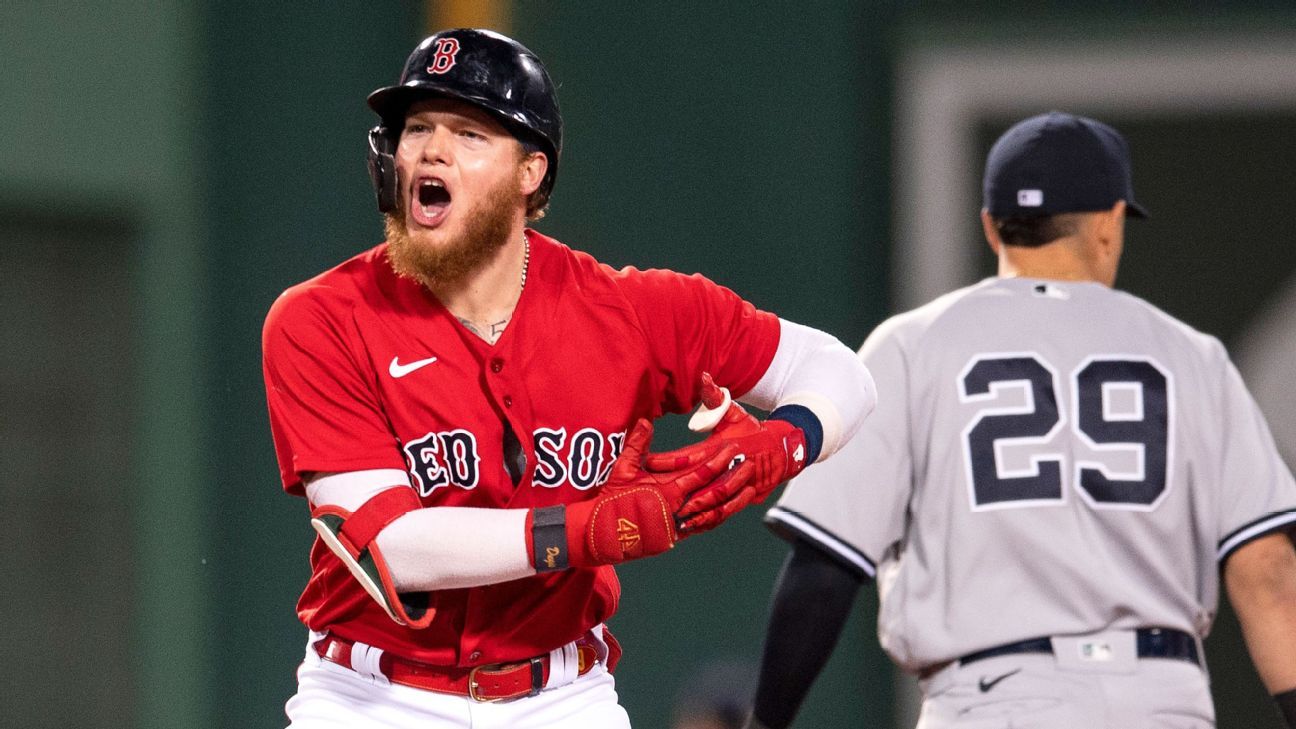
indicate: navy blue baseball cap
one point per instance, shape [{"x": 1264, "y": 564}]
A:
[{"x": 1058, "y": 163}]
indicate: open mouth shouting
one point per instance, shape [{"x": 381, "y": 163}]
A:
[{"x": 430, "y": 203}]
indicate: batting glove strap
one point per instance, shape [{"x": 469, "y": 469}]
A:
[
  {"x": 1287, "y": 707},
  {"x": 547, "y": 542}
]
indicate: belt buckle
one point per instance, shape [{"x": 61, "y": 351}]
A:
[
  {"x": 536, "y": 683},
  {"x": 473, "y": 686}
]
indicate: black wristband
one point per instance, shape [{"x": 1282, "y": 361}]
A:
[
  {"x": 549, "y": 538},
  {"x": 805, "y": 419},
  {"x": 1287, "y": 707}
]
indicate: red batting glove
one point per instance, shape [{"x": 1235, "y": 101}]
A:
[
  {"x": 768, "y": 453},
  {"x": 634, "y": 514}
]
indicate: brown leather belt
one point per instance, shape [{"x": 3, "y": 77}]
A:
[{"x": 496, "y": 682}]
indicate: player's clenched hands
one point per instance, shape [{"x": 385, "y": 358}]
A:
[
  {"x": 634, "y": 514},
  {"x": 767, "y": 454}
]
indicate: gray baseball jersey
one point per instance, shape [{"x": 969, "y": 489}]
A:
[{"x": 1046, "y": 458}]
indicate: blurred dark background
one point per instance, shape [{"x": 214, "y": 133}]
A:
[{"x": 168, "y": 167}]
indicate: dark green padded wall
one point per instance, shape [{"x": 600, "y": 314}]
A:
[
  {"x": 289, "y": 198},
  {"x": 99, "y": 122}
]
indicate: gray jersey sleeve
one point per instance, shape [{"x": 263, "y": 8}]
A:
[
  {"x": 1260, "y": 492},
  {"x": 853, "y": 505}
]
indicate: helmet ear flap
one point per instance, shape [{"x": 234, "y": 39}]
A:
[{"x": 382, "y": 168}]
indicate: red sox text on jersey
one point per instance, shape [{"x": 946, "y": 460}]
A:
[{"x": 447, "y": 458}]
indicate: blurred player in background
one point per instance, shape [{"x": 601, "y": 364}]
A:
[
  {"x": 467, "y": 409},
  {"x": 1055, "y": 476},
  {"x": 716, "y": 696}
]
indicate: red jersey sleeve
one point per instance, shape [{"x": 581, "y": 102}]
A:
[
  {"x": 324, "y": 413},
  {"x": 694, "y": 325}
]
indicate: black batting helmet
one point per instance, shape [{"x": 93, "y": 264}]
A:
[{"x": 483, "y": 68}]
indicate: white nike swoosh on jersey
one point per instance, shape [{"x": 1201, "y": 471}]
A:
[{"x": 400, "y": 370}]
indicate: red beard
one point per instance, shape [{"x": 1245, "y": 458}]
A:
[{"x": 444, "y": 266}]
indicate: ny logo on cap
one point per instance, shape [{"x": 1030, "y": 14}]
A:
[{"x": 1030, "y": 198}]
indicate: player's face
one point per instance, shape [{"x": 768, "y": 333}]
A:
[{"x": 463, "y": 180}]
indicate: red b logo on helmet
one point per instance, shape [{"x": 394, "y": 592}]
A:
[{"x": 444, "y": 60}]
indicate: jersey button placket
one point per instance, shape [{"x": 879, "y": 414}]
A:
[
  {"x": 496, "y": 366},
  {"x": 497, "y": 384}
]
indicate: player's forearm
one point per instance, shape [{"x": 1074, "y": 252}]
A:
[
  {"x": 449, "y": 547},
  {"x": 1261, "y": 581},
  {"x": 812, "y": 601},
  {"x": 813, "y": 370}
]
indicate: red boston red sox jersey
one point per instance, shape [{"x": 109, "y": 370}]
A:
[{"x": 367, "y": 370}]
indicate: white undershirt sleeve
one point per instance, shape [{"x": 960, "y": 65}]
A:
[
  {"x": 438, "y": 547},
  {"x": 816, "y": 371}
]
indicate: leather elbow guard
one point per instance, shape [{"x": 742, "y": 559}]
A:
[{"x": 350, "y": 536}]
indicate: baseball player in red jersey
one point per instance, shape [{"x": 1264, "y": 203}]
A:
[{"x": 467, "y": 410}]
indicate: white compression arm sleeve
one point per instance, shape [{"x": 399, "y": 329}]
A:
[
  {"x": 439, "y": 547},
  {"x": 813, "y": 369}
]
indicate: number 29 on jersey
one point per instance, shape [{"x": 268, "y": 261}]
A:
[{"x": 1109, "y": 432}]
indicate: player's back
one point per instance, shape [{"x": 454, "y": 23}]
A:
[{"x": 1066, "y": 468}]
